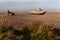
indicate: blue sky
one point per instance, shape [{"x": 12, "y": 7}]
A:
[{"x": 25, "y": 5}]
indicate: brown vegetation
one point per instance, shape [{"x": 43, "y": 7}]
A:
[
  {"x": 26, "y": 26},
  {"x": 22, "y": 20}
]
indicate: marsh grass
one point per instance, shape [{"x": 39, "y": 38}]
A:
[
  {"x": 36, "y": 31},
  {"x": 28, "y": 33}
]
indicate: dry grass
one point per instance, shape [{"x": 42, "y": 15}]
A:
[{"x": 21, "y": 21}]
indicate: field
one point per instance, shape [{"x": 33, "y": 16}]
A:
[
  {"x": 28, "y": 19},
  {"x": 22, "y": 21}
]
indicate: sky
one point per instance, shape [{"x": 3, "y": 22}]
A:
[{"x": 26, "y": 5}]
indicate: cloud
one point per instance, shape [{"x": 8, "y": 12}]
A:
[
  {"x": 14, "y": 0},
  {"x": 24, "y": 0},
  {"x": 41, "y": 0}
]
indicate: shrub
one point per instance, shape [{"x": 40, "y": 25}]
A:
[{"x": 35, "y": 32}]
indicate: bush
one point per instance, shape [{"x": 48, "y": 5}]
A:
[{"x": 35, "y": 32}]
